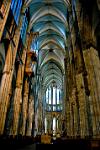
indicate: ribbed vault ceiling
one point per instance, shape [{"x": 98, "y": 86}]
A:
[{"x": 49, "y": 18}]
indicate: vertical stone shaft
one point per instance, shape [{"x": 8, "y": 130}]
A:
[
  {"x": 25, "y": 105},
  {"x": 82, "y": 105},
  {"x": 30, "y": 116},
  {"x": 18, "y": 95},
  {"x": 28, "y": 71},
  {"x": 92, "y": 65},
  {"x": 8, "y": 74}
]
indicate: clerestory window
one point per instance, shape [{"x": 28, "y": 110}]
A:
[{"x": 53, "y": 99}]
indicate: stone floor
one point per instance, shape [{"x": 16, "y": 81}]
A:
[
  {"x": 27, "y": 143},
  {"x": 28, "y": 147}
]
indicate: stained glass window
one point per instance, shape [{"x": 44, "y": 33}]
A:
[
  {"x": 16, "y": 8},
  {"x": 24, "y": 28},
  {"x": 53, "y": 100}
]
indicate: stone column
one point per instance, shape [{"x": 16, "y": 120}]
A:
[
  {"x": 18, "y": 95},
  {"x": 4, "y": 10},
  {"x": 82, "y": 105},
  {"x": 79, "y": 77},
  {"x": 92, "y": 63},
  {"x": 28, "y": 71},
  {"x": 40, "y": 110},
  {"x": 67, "y": 118},
  {"x": 4, "y": 102},
  {"x": 30, "y": 116},
  {"x": 74, "y": 114},
  {"x": 25, "y": 106},
  {"x": 66, "y": 92},
  {"x": 50, "y": 123},
  {"x": 87, "y": 41},
  {"x": 8, "y": 74}
]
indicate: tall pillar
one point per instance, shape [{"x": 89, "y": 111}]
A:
[
  {"x": 91, "y": 60},
  {"x": 82, "y": 105},
  {"x": 30, "y": 116},
  {"x": 66, "y": 92},
  {"x": 18, "y": 95},
  {"x": 25, "y": 106},
  {"x": 76, "y": 122},
  {"x": 28, "y": 71},
  {"x": 92, "y": 63},
  {"x": 4, "y": 11},
  {"x": 80, "y": 79},
  {"x": 74, "y": 114},
  {"x": 8, "y": 74},
  {"x": 40, "y": 109}
]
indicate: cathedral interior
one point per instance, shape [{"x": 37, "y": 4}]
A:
[{"x": 50, "y": 71}]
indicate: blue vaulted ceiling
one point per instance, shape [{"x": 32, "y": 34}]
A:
[{"x": 49, "y": 18}]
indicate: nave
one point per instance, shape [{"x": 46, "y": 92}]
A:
[{"x": 50, "y": 72}]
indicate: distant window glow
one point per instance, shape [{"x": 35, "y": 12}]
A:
[
  {"x": 54, "y": 125},
  {"x": 54, "y": 95},
  {"x": 50, "y": 96},
  {"x": 58, "y": 96},
  {"x": 54, "y": 108},
  {"x": 45, "y": 125},
  {"x": 53, "y": 101},
  {"x": 47, "y": 96}
]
